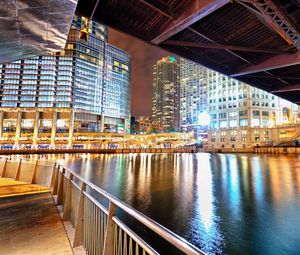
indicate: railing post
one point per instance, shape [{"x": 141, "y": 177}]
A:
[
  {"x": 60, "y": 191},
  {"x": 110, "y": 231},
  {"x": 78, "y": 236},
  {"x": 54, "y": 191},
  {"x": 33, "y": 180},
  {"x": 3, "y": 168},
  {"x": 18, "y": 173},
  {"x": 67, "y": 204},
  {"x": 53, "y": 177}
]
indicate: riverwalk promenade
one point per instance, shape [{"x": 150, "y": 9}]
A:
[
  {"x": 30, "y": 222},
  {"x": 46, "y": 208}
]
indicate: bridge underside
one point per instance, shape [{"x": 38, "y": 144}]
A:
[
  {"x": 255, "y": 41},
  {"x": 29, "y": 28}
]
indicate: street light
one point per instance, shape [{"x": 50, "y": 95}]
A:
[{"x": 204, "y": 119}]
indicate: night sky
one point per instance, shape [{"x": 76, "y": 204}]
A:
[{"x": 143, "y": 56}]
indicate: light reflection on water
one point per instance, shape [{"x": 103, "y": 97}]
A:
[{"x": 222, "y": 203}]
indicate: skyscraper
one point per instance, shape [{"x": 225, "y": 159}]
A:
[
  {"x": 165, "y": 100},
  {"x": 48, "y": 99},
  {"x": 116, "y": 97},
  {"x": 193, "y": 96}
]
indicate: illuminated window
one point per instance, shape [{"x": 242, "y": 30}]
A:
[
  {"x": 243, "y": 122},
  {"x": 255, "y": 113}
]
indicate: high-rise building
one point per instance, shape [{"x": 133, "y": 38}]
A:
[
  {"x": 193, "y": 96},
  {"x": 231, "y": 114},
  {"x": 165, "y": 100},
  {"x": 116, "y": 97},
  {"x": 50, "y": 99},
  {"x": 242, "y": 116}
]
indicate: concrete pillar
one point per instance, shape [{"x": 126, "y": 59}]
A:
[
  {"x": 102, "y": 123},
  {"x": 126, "y": 126},
  {"x": 71, "y": 129},
  {"x": 53, "y": 129},
  {"x": 18, "y": 128},
  {"x": 1, "y": 123},
  {"x": 36, "y": 128}
]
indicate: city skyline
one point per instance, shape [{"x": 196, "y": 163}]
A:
[
  {"x": 143, "y": 57},
  {"x": 141, "y": 74}
]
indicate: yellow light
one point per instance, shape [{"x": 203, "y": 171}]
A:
[{"x": 84, "y": 32}]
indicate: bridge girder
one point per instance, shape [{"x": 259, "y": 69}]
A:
[
  {"x": 254, "y": 41},
  {"x": 195, "y": 11}
]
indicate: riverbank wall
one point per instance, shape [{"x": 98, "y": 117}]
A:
[
  {"x": 99, "y": 151},
  {"x": 258, "y": 150},
  {"x": 261, "y": 150},
  {"x": 277, "y": 150}
]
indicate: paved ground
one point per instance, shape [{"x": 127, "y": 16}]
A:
[{"x": 31, "y": 224}]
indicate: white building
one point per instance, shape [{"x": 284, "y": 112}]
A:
[
  {"x": 244, "y": 116},
  {"x": 193, "y": 96}
]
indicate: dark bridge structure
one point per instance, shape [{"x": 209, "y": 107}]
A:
[{"x": 255, "y": 41}]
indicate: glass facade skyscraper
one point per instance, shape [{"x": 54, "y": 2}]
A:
[
  {"x": 116, "y": 97},
  {"x": 45, "y": 99},
  {"x": 165, "y": 100}
]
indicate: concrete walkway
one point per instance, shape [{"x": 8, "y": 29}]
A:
[{"x": 31, "y": 224}]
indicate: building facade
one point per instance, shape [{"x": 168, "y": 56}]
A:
[
  {"x": 146, "y": 125},
  {"x": 47, "y": 100},
  {"x": 193, "y": 96},
  {"x": 165, "y": 100},
  {"x": 242, "y": 116}
]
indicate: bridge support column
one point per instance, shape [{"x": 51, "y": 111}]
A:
[
  {"x": 36, "y": 128},
  {"x": 71, "y": 130},
  {"x": 18, "y": 128},
  {"x": 53, "y": 129},
  {"x": 1, "y": 123}
]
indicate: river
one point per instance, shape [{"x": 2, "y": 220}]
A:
[{"x": 221, "y": 203}]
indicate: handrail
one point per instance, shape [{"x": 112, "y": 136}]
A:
[{"x": 165, "y": 233}]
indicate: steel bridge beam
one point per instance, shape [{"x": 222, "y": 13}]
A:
[
  {"x": 275, "y": 18},
  {"x": 215, "y": 40},
  {"x": 159, "y": 7},
  {"x": 285, "y": 89},
  {"x": 220, "y": 46},
  {"x": 275, "y": 62},
  {"x": 194, "y": 12}
]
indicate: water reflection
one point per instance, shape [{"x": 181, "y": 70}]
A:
[{"x": 222, "y": 203}]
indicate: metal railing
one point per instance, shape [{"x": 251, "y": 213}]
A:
[{"x": 98, "y": 228}]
